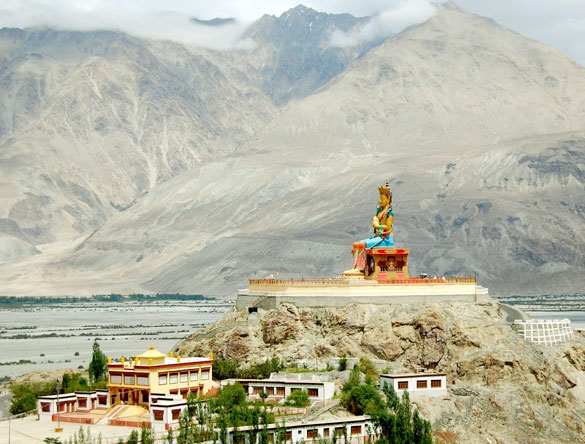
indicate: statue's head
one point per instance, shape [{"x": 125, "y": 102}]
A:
[{"x": 385, "y": 194}]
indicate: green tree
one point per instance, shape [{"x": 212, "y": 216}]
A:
[
  {"x": 264, "y": 431},
  {"x": 146, "y": 435},
  {"x": 343, "y": 363},
  {"x": 222, "y": 425},
  {"x": 392, "y": 399},
  {"x": 361, "y": 398},
  {"x": 231, "y": 395},
  {"x": 186, "y": 428},
  {"x": 191, "y": 404},
  {"x": 404, "y": 429},
  {"x": 224, "y": 369},
  {"x": 169, "y": 438},
  {"x": 298, "y": 398},
  {"x": 98, "y": 367},
  {"x": 133, "y": 438}
]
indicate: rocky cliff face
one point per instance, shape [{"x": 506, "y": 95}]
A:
[{"x": 501, "y": 389}]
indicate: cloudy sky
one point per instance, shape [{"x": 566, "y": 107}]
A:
[{"x": 558, "y": 23}]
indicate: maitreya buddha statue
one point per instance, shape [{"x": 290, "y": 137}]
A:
[{"x": 383, "y": 221}]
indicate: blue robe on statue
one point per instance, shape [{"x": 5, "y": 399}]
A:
[{"x": 377, "y": 241}]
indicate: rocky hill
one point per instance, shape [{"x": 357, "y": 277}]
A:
[
  {"x": 198, "y": 180},
  {"x": 501, "y": 389}
]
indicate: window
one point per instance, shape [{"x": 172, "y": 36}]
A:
[
  {"x": 436, "y": 383},
  {"x": 269, "y": 390},
  {"x": 82, "y": 402},
  {"x": 176, "y": 413},
  {"x": 292, "y": 390},
  {"x": 402, "y": 385},
  {"x": 158, "y": 415},
  {"x": 129, "y": 379},
  {"x": 102, "y": 400},
  {"x": 46, "y": 407},
  {"x": 421, "y": 384},
  {"x": 173, "y": 378},
  {"x": 288, "y": 436},
  {"x": 258, "y": 390},
  {"x": 339, "y": 430},
  {"x": 115, "y": 378},
  {"x": 356, "y": 430},
  {"x": 162, "y": 379},
  {"x": 205, "y": 374},
  {"x": 326, "y": 432},
  {"x": 271, "y": 437},
  {"x": 184, "y": 377},
  {"x": 142, "y": 379},
  {"x": 313, "y": 392},
  {"x": 280, "y": 391},
  {"x": 311, "y": 434},
  {"x": 194, "y": 376}
]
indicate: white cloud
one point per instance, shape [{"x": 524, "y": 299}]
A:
[
  {"x": 147, "y": 18},
  {"x": 387, "y": 23},
  {"x": 558, "y": 23}
]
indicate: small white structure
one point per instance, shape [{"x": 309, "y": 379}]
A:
[
  {"x": 71, "y": 402},
  {"x": 278, "y": 389},
  {"x": 545, "y": 331},
  {"x": 356, "y": 428},
  {"x": 165, "y": 410},
  {"x": 47, "y": 406},
  {"x": 423, "y": 384}
]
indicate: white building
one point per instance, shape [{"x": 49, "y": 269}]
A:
[
  {"x": 356, "y": 428},
  {"x": 278, "y": 389},
  {"x": 545, "y": 331},
  {"x": 165, "y": 410},
  {"x": 70, "y": 403},
  {"x": 423, "y": 384}
]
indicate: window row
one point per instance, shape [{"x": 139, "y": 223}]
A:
[
  {"x": 435, "y": 383},
  {"x": 129, "y": 379},
  {"x": 174, "y": 378}
]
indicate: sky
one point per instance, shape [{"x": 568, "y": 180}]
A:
[{"x": 558, "y": 23}]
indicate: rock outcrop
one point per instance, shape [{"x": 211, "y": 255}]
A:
[{"x": 501, "y": 389}]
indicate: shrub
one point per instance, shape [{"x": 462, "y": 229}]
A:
[
  {"x": 298, "y": 398},
  {"x": 343, "y": 363}
]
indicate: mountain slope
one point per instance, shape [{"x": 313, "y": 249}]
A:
[
  {"x": 293, "y": 52},
  {"x": 480, "y": 129},
  {"x": 456, "y": 80},
  {"x": 89, "y": 122}
]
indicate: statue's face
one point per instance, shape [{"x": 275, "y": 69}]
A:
[{"x": 383, "y": 200}]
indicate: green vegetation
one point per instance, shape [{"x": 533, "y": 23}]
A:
[
  {"x": 298, "y": 398},
  {"x": 98, "y": 367},
  {"x": 227, "y": 369},
  {"x": 394, "y": 418},
  {"x": 20, "y": 362},
  {"x": 343, "y": 363},
  {"x": 9, "y": 302},
  {"x": 24, "y": 396}
]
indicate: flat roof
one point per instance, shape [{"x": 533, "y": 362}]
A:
[
  {"x": 279, "y": 381},
  {"x": 412, "y": 375},
  {"x": 332, "y": 421}
]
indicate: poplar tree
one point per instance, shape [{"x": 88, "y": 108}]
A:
[{"x": 98, "y": 367}]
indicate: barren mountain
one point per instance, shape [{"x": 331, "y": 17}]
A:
[
  {"x": 480, "y": 129},
  {"x": 294, "y": 57},
  {"x": 90, "y": 122}
]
